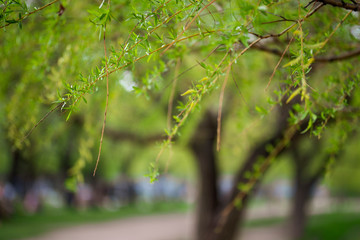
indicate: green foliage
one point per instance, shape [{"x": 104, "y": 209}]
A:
[
  {"x": 13, "y": 12},
  {"x": 74, "y": 48},
  {"x": 333, "y": 226}
]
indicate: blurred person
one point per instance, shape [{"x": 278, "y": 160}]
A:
[{"x": 7, "y": 196}]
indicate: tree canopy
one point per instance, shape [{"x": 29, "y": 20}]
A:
[{"x": 126, "y": 69}]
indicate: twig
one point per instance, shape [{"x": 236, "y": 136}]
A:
[
  {"x": 188, "y": 25},
  {"x": 221, "y": 100},
  {"x": 30, "y": 13},
  {"x": 238, "y": 88},
  {"x": 278, "y": 63},
  {"x": 107, "y": 100},
  {"x": 40, "y": 121},
  {"x": 192, "y": 67},
  {"x": 172, "y": 94}
]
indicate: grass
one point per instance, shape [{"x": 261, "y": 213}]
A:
[
  {"x": 333, "y": 226},
  {"x": 330, "y": 226},
  {"x": 24, "y": 226},
  {"x": 264, "y": 222}
]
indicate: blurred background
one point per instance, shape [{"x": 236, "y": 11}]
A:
[{"x": 47, "y": 190}]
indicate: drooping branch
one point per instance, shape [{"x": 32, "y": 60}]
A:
[
  {"x": 30, "y": 13},
  {"x": 342, "y": 4}
]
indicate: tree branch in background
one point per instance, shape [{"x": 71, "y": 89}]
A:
[
  {"x": 332, "y": 58},
  {"x": 340, "y": 57},
  {"x": 340, "y": 3}
]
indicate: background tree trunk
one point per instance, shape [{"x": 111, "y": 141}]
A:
[
  {"x": 211, "y": 222},
  {"x": 202, "y": 145},
  {"x": 305, "y": 180}
]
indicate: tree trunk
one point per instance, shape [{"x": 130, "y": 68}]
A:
[
  {"x": 305, "y": 181},
  {"x": 299, "y": 209},
  {"x": 202, "y": 145},
  {"x": 212, "y": 224},
  {"x": 22, "y": 173},
  {"x": 66, "y": 159},
  {"x": 15, "y": 169},
  {"x": 209, "y": 209}
]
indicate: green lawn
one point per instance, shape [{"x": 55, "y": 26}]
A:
[
  {"x": 334, "y": 226},
  {"x": 331, "y": 226},
  {"x": 24, "y": 226}
]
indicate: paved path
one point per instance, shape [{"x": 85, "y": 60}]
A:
[
  {"x": 159, "y": 227},
  {"x": 176, "y": 226},
  {"x": 164, "y": 227}
]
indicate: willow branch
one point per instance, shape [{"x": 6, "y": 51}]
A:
[
  {"x": 107, "y": 98},
  {"x": 30, "y": 13}
]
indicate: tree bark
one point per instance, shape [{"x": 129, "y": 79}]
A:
[
  {"x": 231, "y": 225},
  {"x": 202, "y": 145},
  {"x": 212, "y": 224},
  {"x": 304, "y": 184},
  {"x": 300, "y": 206}
]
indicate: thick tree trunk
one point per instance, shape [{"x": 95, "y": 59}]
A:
[
  {"x": 230, "y": 227},
  {"x": 22, "y": 172},
  {"x": 212, "y": 224},
  {"x": 209, "y": 209},
  {"x": 202, "y": 145},
  {"x": 305, "y": 181},
  {"x": 299, "y": 209},
  {"x": 67, "y": 161},
  {"x": 233, "y": 224},
  {"x": 15, "y": 169}
]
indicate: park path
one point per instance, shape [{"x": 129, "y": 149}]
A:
[
  {"x": 158, "y": 227},
  {"x": 175, "y": 226},
  {"x": 180, "y": 226}
]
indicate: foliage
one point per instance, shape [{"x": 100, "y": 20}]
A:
[
  {"x": 208, "y": 42},
  {"x": 333, "y": 226}
]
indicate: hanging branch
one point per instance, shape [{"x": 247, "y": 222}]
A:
[
  {"x": 107, "y": 98},
  {"x": 28, "y": 14}
]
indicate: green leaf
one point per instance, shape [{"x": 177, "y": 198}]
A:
[
  {"x": 244, "y": 40},
  {"x": 261, "y": 110},
  {"x": 68, "y": 116},
  {"x": 294, "y": 94},
  {"x": 292, "y": 62},
  {"x": 188, "y": 92}
]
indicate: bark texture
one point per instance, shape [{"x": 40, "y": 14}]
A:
[
  {"x": 305, "y": 180},
  {"x": 214, "y": 220}
]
